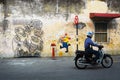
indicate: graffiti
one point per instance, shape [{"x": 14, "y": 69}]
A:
[
  {"x": 28, "y": 39},
  {"x": 65, "y": 40},
  {"x": 81, "y": 25}
]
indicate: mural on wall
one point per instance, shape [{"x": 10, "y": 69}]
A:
[
  {"x": 57, "y": 16},
  {"x": 28, "y": 39},
  {"x": 65, "y": 41}
]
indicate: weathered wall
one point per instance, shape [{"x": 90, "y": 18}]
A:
[
  {"x": 113, "y": 46},
  {"x": 54, "y": 22}
]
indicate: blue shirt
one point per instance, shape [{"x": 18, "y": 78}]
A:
[{"x": 88, "y": 42}]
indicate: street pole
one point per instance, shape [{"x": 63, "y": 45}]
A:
[
  {"x": 76, "y": 21},
  {"x": 76, "y": 37}
]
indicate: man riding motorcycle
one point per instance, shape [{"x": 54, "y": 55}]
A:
[
  {"x": 86, "y": 58},
  {"x": 88, "y": 47}
]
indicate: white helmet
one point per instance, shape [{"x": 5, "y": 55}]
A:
[{"x": 90, "y": 33}]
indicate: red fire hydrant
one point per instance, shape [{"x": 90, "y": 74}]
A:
[{"x": 53, "y": 45}]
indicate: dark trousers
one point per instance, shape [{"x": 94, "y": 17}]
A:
[
  {"x": 91, "y": 51},
  {"x": 65, "y": 45}
]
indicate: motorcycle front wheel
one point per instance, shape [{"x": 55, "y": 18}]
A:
[
  {"x": 107, "y": 61},
  {"x": 79, "y": 63}
]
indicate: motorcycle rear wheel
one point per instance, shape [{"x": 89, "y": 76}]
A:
[
  {"x": 107, "y": 61},
  {"x": 79, "y": 63}
]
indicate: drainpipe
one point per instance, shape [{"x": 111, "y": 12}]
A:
[
  {"x": 67, "y": 8},
  {"x": 57, "y": 6},
  {"x": 5, "y": 21}
]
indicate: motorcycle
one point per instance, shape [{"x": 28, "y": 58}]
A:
[{"x": 82, "y": 61}]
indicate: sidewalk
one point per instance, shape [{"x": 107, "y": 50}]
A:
[{"x": 116, "y": 58}]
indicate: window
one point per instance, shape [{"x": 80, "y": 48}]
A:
[{"x": 101, "y": 32}]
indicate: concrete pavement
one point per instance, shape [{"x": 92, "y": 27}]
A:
[{"x": 62, "y": 68}]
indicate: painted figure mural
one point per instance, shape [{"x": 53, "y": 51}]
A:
[
  {"x": 28, "y": 39},
  {"x": 65, "y": 41}
]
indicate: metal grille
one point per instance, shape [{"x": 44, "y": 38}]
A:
[{"x": 101, "y": 32}]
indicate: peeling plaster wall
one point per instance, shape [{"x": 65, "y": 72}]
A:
[
  {"x": 56, "y": 25},
  {"x": 113, "y": 46}
]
